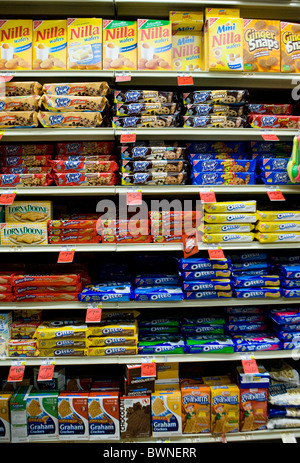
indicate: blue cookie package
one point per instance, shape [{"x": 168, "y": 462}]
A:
[
  {"x": 193, "y": 264},
  {"x": 154, "y": 293},
  {"x": 248, "y": 318},
  {"x": 245, "y": 327},
  {"x": 219, "y": 178},
  {"x": 275, "y": 178},
  {"x": 293, "y": 336},
  {"x": 258, "y": 293},
  {"x": 245, "y": 281},
  {"x": 249, "y": 265},
  {"x": 209, "y": 156},
  {"x": 250, "y": 273},
  {"x": 207, "y": 294},
  {"x": 256, "y": 342},
  {"x": 290, "y": 283},
  {"x": 291, "y": 293},
  {"x": 205, "y": 275},
  {"x": 248, "y": 256},
  {"x": 219, "y": 165},
  {"x": 158, "y": 279},
  {"x": 291, "y": 271},
  {"x": 207, "y": 285},
  {"x": 108, "y": 291},
  {"x": 285, "y": 316},
  {"x": 273, "y": 164}
]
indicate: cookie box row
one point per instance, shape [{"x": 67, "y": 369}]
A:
[
  {"x": 31, "y": 119},
  {"x": 53, "y": 103}
]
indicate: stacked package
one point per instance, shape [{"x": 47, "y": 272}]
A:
[
  {"x": 85, "y": 163},
  {"x": 157, "y": 287},
  {"x": 203, "y": 278},
  {"x": 286, "y": 325},
  {"x": 135, "y": 384},
  {"x": 221, "y": 163},
  {"x": 6, "y": 288},
  {"x": 147, "y": 163},
  {"x": 80, "y": 104},
  {"x": 23, "y": 328},
  {"x": 26, "y": 165},
  {"x": 73, "y": 231},
  {"x": 20, "y": 104},
  {"x": 215, "y": 108},
  {"x": 127, "y": 230},
  {"x": 169, "y": 227},
  {"x": 290, "y": 280},
  {"x": 160, "y": 336},
  {"x": 5, "y": 332},
  {"x": 146, "y": 108},
  {"x": 278, "y": 226},
  {"x": 229, "y": 222}
]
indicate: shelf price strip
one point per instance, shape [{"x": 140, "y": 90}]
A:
[
  {"x": 185, "y": 79},
  {"x": 216, "y": 252},
  {"x": 16, "y": 371},
  {"x": 249, "y": 364},
  {"x": 122, "y": 77},
  {"x": 134, "y": 197},
  {"x": 128, "y": 137},
  {"x": 207, "y": 196}
]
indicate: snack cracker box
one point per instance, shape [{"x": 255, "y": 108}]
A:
[
  {"x": 18, "y": 417},
  {"x": 135, "y": 416},
  {"x": 28, "y": 211},
  {"x": 225, "y": 409},
  {"x": 186, "y": 21},
  {"x": 290, "y": 47},
  {"x": 216, "y": 12},
  {"x": 16, "y": 44},
  {"x": 4, "y": 417},
  {"x": 84, "y": 43},
  {"x": 195, "y": 409},
  {"x": 73, "y": 416},
  {"x": 187, "y": 51},
  {"x": 104, "y": 415},
  {"x": 224, "y": 44},
  {"x": 261, "y": 45},
  {"x": 154, "y": 45},
  {"x": 119, "y": 44},
  {"x": 42, "y": 417},
  {"x": 166, "y": 413},
  {"x": 254, "y": 413},
  {"x": 23, "y": 234},
  {"x": 49, "y": 45}
]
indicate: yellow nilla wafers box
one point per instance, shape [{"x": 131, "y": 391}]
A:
[
  {"x": 49, "y": 45},
  {"x": 119, "y": 45},
  {"x": 195, "y": 409},
  {"x": 84, "y": 43},
  {"x": 16, "y": 44},
  {"x": 166, "y": 413}
]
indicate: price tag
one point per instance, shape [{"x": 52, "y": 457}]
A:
[
  {"x": 208, "y": 196},
  {"x": 275, "y": 195},
  {"x": 269, "y": 136},
  {"x": 46, "y": 371},
  {"x": 288, "y": 438},
  {"x": 7, "y": 198},
  {"x": 93, "y": 313},
  {"x": 66, "y": 255},
  {"x": 148, "y": 369},
  {"x": 216, "y": 253},
  {"x": 16, "y": 372},
  {"x": 134, "y": 198},
  {"x": 6, "y": 77},
  {"x": 249, "y": 365},
  {"x": 123, "y": 77},
  {"x": 185, "y": 80},
  {"x": 127, "y": 137},
  {"x": 190, "y": 244}
]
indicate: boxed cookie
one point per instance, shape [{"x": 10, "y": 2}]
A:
[
  {"x": 261, "y": 45},
  {"x": 262, "y": 108},
  {"x": 255, "y": 400},
  {"x": 228, "y": 97},
  {"x": 150, "y": 153},
  {"x": 70, "y": 119},
  {"x": 228, "y": 165},
  {"x": 215, "y": 110},
  {"x": 154, "y": 166},
  {"x": 73, "y": 103},
  {"x": 154, "y": 178},
  {"x": 46, "y": 34},
  {"x": 166, "y": 413},
  {"x": 88, "y": 178},
  {"x": 139, "y": 109},
  {"x": 154, "y": 44},
  {"x": 146, "y": 121},
  {"x": 18, "y": 119},
  {"x": 19, "y": 103},
  {"x": 228, "y": 178},
  {"x": 214, "y": 121},
  {"x": 22, "y": 234},
  {"x": 32, "y": 211},
  {"x": 187, "y": 51},
  {"x": 282, "y": 122},
  {"x": 290, "y": 43},
  {"x": 77, "y": 88},
  {"x": 104, "y": 415},
  {"x": 16, "y": 44},
  {"x": 84, "y": 43},
  {"x": 135, "y": 416},
  {"x": 144, "y": 96},
  {"x": 119, "y": 44}
]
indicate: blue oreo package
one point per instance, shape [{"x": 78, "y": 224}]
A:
[
  {"x": 255, "y": 273},
  {"x": 285, "y": 316},
  {"x": 249, "y": 265},
  {"x": 109, "y": 291},
  {"x": 258, "y": 293},
  {"x": 245, "y": 327},
  {"x": 288, "y": 335},
  {"x": 291, "y": 271},
  {"x": 291, "y": 293},
  {"x": 188, "y": 330},
  {"x": 157, "y": 280},
  {"x": 207, "y": 285},
  {"x": 205, "y": 275},
  {"x": 248, "y": 256},
  {"x": 157, "y": 293},
  {"x": 251, "y": 318},
  {"x": 207, "y": 294},
  {"x": 290, "y": 283},
  {"x": 256, "y": 342},
  {"x": 193, "y": 264},
  {"x": 245, "y": 281}
]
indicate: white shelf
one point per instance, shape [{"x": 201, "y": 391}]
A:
[{"x": 45, "y": 134}]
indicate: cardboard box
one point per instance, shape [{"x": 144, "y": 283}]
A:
[
  {"x": 84, "y": 43},
  {"x": 4, "y": 417},
  {"x": 28, "y": 211},
  {"x": 261, "y": 45},
  {"x": 23, "y": 234},
  {"x": 16, "y": 44},
  {"x": 135, "y": 416},
  {"x": 49, "y": 45},
  {"x": 119, "y": 45},
  {"x": 18, "y": 417},
  {"x": 73, "y": 419},
  {"x": 254, "y": 409},
  {"x": 187, "y": 51},
  {"x": 154, "y": 45},
  {"x": 217, "y": 12},
  {"x": 195, "y": 409},
  {"x": 186, "y": 22},
  {"x": 290, "y": 47},
  {"x": 225, "y": 409},
  {"x": 104, "y": 415},
  {"x": 166, "y": 413},
  {"x": 42, "y": 418}
]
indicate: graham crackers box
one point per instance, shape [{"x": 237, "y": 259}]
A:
[
  {"x": 225, "y": 408},
  {"x": 166, "y": 413},
  {"x": 104, "y": 415},
  {"x": 195, "y": 409},
  {"x": 119, "y": 44},
  {"x": 254, "y": 409},
  {"x": 16, "y": 44},
  {"x": 84, "y": 43},
  {"x": 73, "y": 419},
  {"x": 154, "y": 45},
  {"x": 290, "y": 47},
  {"x": 49, "y": 45},
  {"x": 42, "y": 418},
  {"x": 135, "y": 416},
  {"x": 261, "y": 45}
]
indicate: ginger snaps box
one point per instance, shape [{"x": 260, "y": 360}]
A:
[
  {"x": 290, "y": 47},
  {"x": 154, "y": 45},
  {"x": 261, "y": 45},
  {"x": 135, "y": 416}
]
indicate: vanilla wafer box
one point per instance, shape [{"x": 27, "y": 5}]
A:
[{"x": 166, "y": 413}]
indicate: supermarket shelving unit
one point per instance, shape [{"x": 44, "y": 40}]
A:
[{"x": 284, "y": 10}]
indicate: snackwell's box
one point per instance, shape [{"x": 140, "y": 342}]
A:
[
  {"x": 84, "y": 43},
  {"x": 119, "y": 44},
  {"x": 104, "y": 415},
  {"x": 49, "y": 44},
  {"x": 4, "y": 417},
  {"x": 166, "y": 413},
  {"x": 195, "y": 409},
  {"x": 225, "y": 409},
  {"x": 290, "y": 47},
  {"x": 16, "y": 44},
  {"x": 73, "y": 416},
  {"x": 42, "y": 417},
  {"x": 28, "y": 211},
  {"x": 261, "y": 45},
  {"x": 154, "y": 44}
]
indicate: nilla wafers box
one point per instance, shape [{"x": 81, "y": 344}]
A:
[
  {"x": 166, "y": 413},
  {"x": 49, "y": 45},
  {"x": 84, "y": 43},
  {"x": 154, "y": 45},
  {"x": 15, "y": 44},
  {"x": 119, "y": 44}
]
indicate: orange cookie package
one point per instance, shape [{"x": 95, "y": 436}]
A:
[{"x": 261, "y": 45}]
